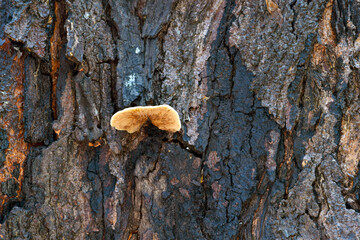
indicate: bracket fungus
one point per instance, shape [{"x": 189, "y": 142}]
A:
[{"x": 131, "y": 119}]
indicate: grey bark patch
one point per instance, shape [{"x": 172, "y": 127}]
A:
[
  {"x": 155, "y": 20},
  {"x": 37, "y": 109},
  {"x": 10, "y": 188},
  {"x": 280, "y": 45},
  {"x": 130, "y": 48},
  {"x": 4, "y": 143},
  {"x": 29, "y": 25},
  {"x": 88, "y": 113},
  {"x": 89, "y": 38}
]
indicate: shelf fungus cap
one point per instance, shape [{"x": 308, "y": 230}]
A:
[{"x": 131, "y": 119}]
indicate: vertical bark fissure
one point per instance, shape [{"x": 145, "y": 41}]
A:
[
  {"x": 113, "y": 63},
  {"x": 203, "y": 182},
  {"x": 288, "y": 146},
  {"x": 56, "y": 42}
]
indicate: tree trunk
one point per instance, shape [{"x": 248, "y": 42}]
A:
[{"x": 268, "y": 97}]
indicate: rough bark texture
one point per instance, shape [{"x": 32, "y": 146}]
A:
[{"x": 268, "y": 96}]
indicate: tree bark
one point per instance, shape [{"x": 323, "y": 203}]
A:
[{"x": 268, "y": 97}]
